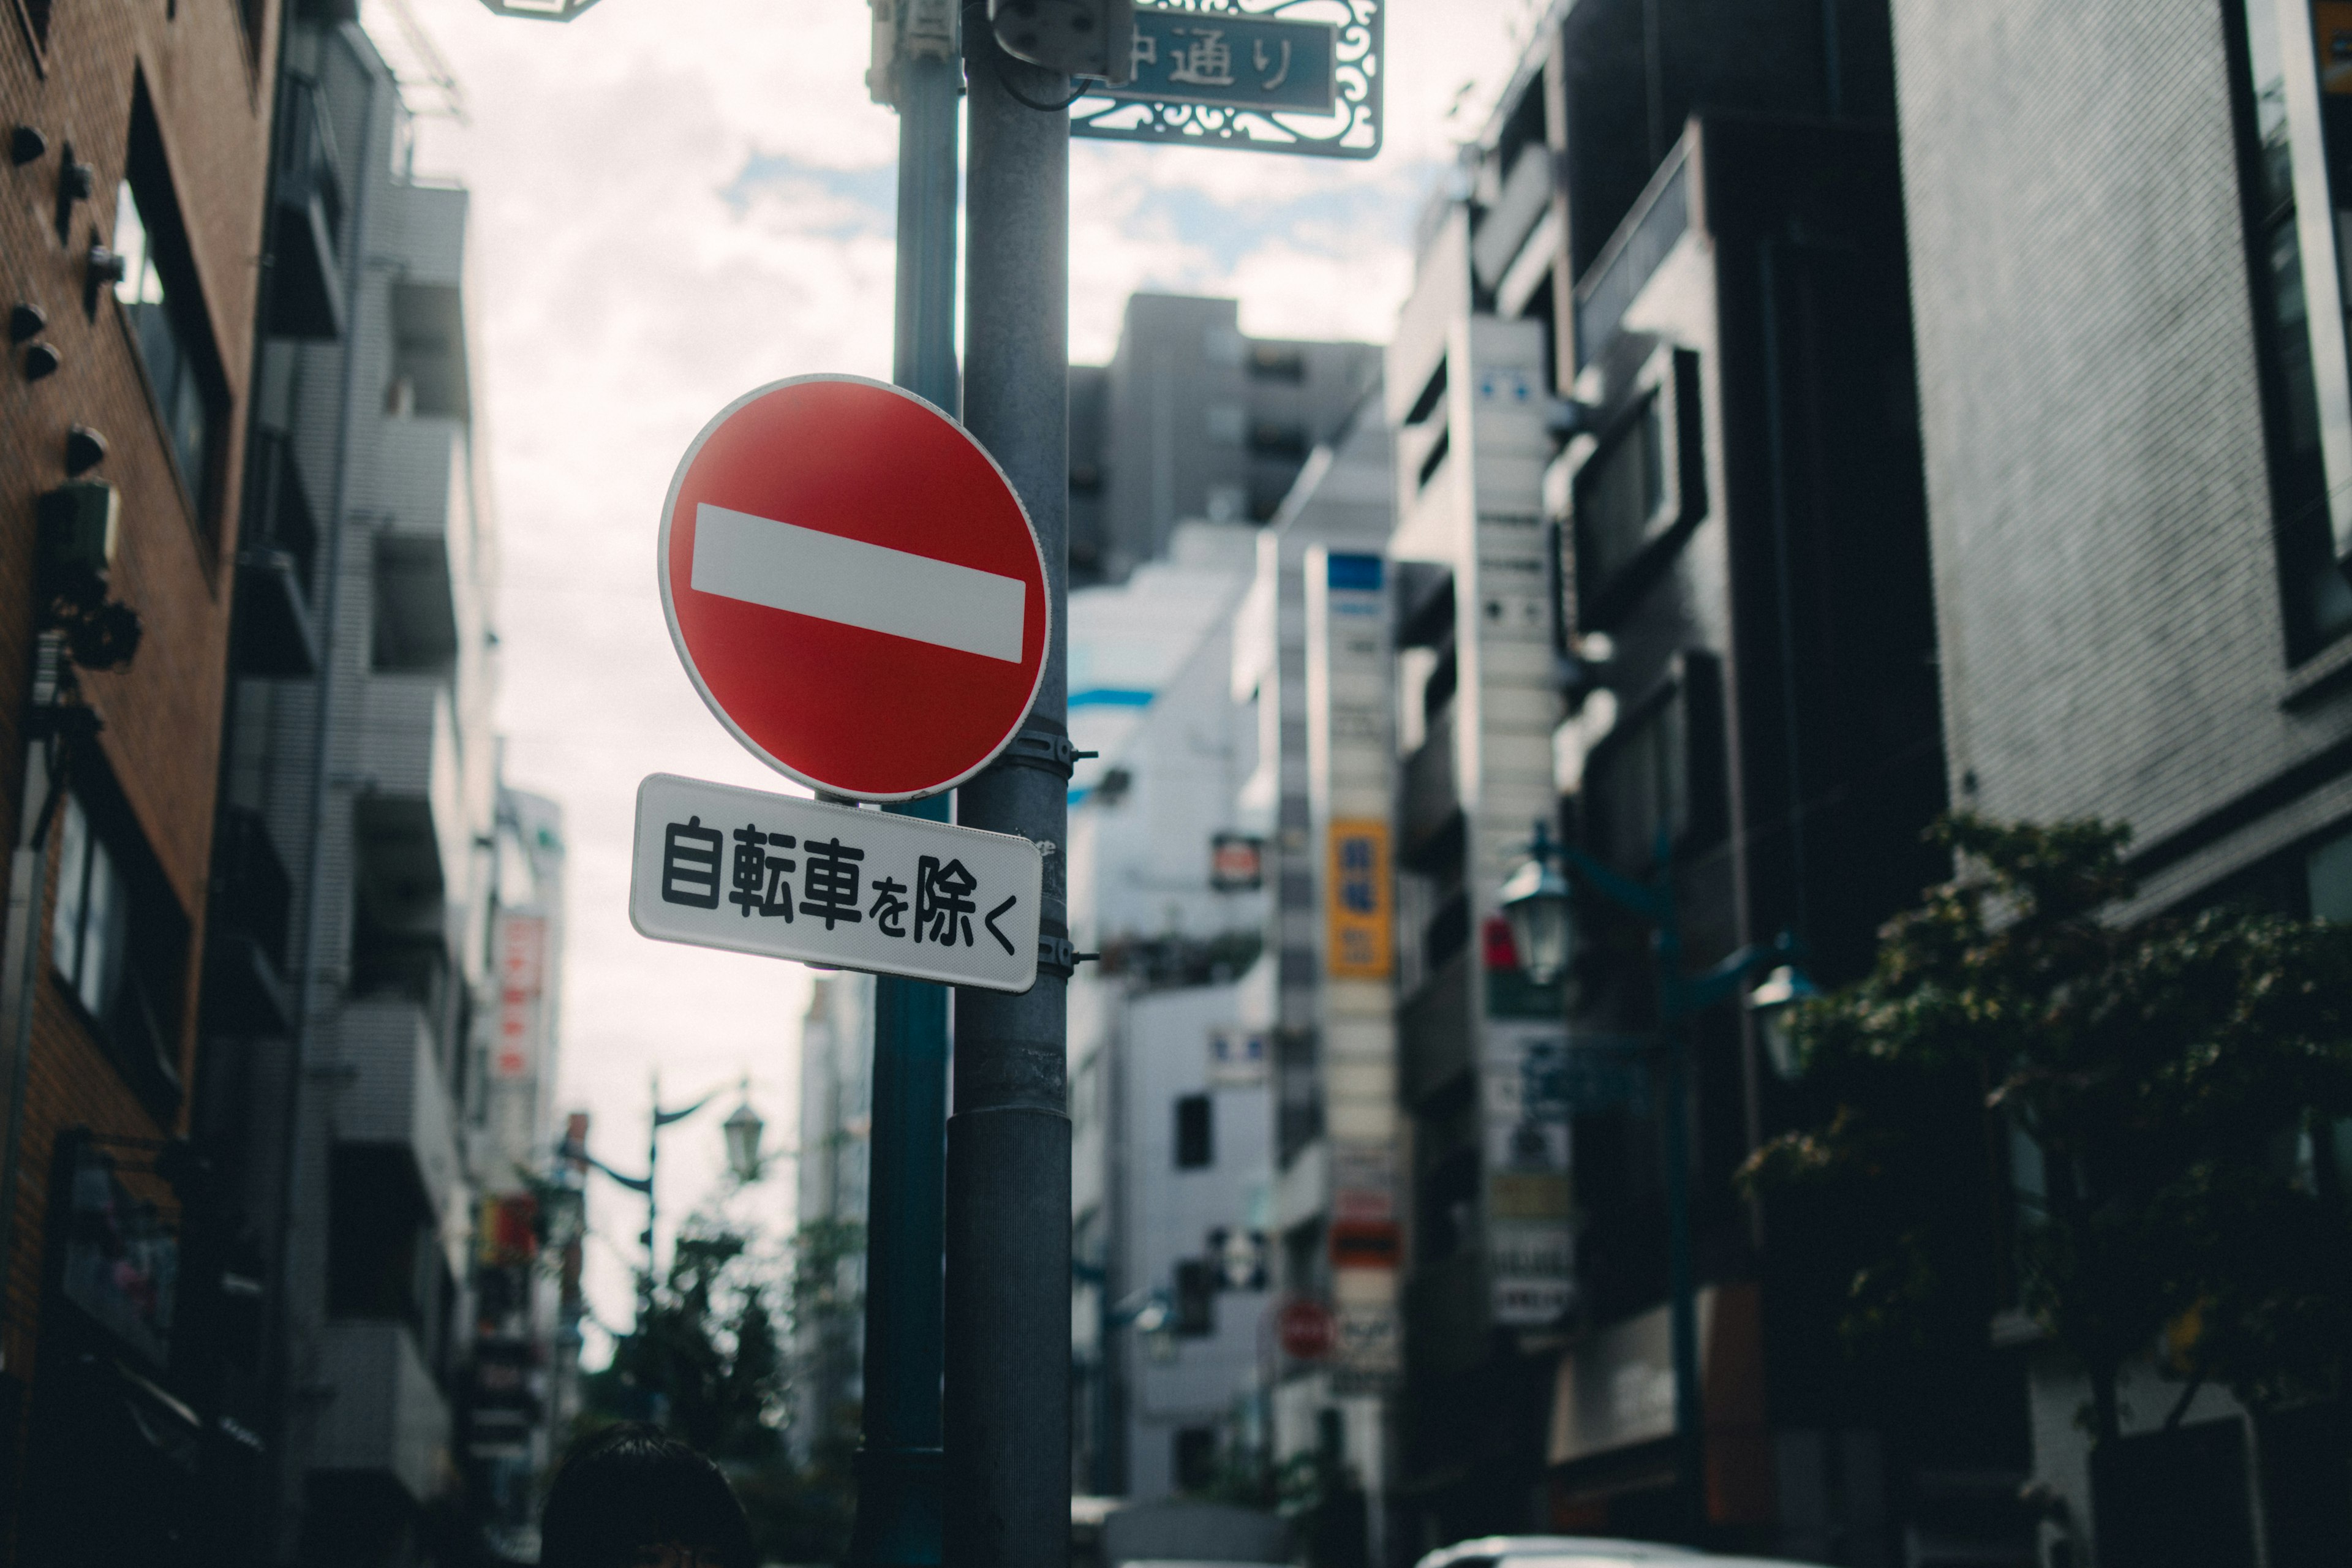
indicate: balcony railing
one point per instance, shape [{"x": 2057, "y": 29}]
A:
[
  {"x": 1430, "y": 798},
  {"x": 252, "y": 909},
  {"x": 395, "y": 1096},
  {"x": 276, "y": 635},
  {"x": 387, "y": 1417},
  {"x": 306, "y": 284},
  {"x": 1642, "y": 244}
]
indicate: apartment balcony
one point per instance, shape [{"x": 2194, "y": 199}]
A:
[
  {"x": 1500, "y": 244},
  {"x": 382, "y": 1415},
  {"x": 394, "y": 1094},
  {"x": 422, "y": 553},
  {"x": 1429, "y": 801},
  {"x": 306, "y": 278},
  {"x": 1434, "y": 1030},
  {"x": 1634, "y": 255},
  {"x": 245, "y": 990},
  {"x": 412, "y": 834},
  {"x": 277, "y": 631}
]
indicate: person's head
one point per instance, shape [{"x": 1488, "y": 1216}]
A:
[{"x": 627, "y": 1497}]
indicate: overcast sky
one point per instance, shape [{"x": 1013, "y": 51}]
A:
[{"x": 676, "y": 201}]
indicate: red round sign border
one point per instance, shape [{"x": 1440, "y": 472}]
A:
[{"x": 686, "y": 659}]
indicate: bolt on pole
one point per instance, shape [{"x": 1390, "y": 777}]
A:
[
  {"x": 1008, "y": 1191},
  {"x": 898, "y": 1461}
]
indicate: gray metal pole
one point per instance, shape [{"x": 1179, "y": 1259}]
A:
[
  {"x": 898, "y": 1521},
  {"x": 1008, "y": 1191}
]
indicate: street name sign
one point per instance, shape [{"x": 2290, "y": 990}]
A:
[
  {"x": 1233, "y": 60},
  {"x": 1267, "y": 75},
  {"x": 853, "y": 587},
  {"x": 719, "y": 866}
]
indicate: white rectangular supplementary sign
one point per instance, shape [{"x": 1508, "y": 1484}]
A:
[
  {"x": 762, "y": 561},
  {"x": 716, "y": 866}
]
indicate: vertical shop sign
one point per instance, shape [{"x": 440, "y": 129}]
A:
[
  {"x": 1362, "y": 900},
  {"x": 522, "y": 967},
  {"x": 1529, "y": 1195}
]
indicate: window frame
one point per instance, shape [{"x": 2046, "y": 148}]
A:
[
  {"x": 1183, "y": 1144},
  {"x": 35, "y": 16},
  {"x": 2297, "y": 482},
  {"x": 150, "y": 937},
  {"x": 1667, "y": 382},
  {"x": 1683, "y": 716},
  {"x": 147, "y": 185}
]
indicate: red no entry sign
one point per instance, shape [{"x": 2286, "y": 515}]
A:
[
  {"x": 1306, "y": 1328},
  {"x": 853, "y": 587}
]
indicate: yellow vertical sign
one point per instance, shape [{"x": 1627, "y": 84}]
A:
[
  {"x": 2331, "y": 24},
  {"x": 1360, "y": 901}
]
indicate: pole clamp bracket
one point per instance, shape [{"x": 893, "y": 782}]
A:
[
  {"x": 1056, "y": 953},
  {"x": 1048, "y": 750}
]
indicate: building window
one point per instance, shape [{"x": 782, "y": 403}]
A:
[
  {"x": 2327, "y": 871},
  {"x": 157, "y": 294},
  {"x": 1618, "y": 492},
  {"x": 171, "y": 369},
  {"x": 118, "y": 948},
  {"x": 1196, "y": 1298},
  {"x": 2318, "y": 602},
  {"x": 1196, "y": 1138},
  {"x": 1196, "y": 1458},
  {"x": 429, "y": 375},
  {"x": 93, "y": 909},
  {"x": 1636, "y": 783},
  {"x": 1277, "y": 362},
  {"x": 1281, "y": 438}
]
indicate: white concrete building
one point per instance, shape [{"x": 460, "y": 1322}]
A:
[{"x": 1173, "y": 1156}]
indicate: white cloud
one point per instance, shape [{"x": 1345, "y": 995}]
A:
[{"x": 633, "y": 282}]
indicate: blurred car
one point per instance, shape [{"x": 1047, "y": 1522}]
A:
[{"x": 1582, "y": 1551}]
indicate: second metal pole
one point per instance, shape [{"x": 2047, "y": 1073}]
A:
[
  {"x": 898, "y": 1523},
  {"x": 1008, "y": 1190}
]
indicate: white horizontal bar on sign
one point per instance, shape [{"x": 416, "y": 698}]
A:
[{"x": 762, "y": 561}]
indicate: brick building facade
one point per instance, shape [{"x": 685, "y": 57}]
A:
[{"x": 139, "y": 149}]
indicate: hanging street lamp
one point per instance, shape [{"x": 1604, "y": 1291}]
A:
[
  {"x": 1773, "y": 1005},
  {"x": 1536, "y": 903},
  {"x": 743, "y": 1129}
]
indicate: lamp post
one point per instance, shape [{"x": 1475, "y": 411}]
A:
[
  {"x": 1538, "y": 902},
  {"x": 743, "y": 1130}
]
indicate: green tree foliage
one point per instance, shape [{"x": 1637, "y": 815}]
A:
[
  {"x": 710, "y": 1364},
  {"x": 2176, "y": 1088},
  {"x": 705, "y": 1363}
]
